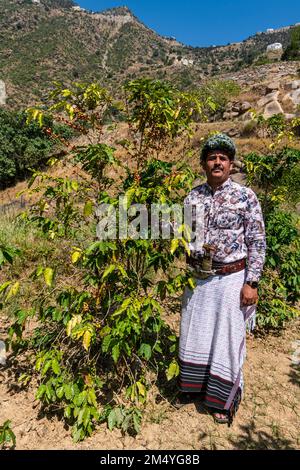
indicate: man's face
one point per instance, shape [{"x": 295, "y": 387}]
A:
[{"x": 217, "y": 167}]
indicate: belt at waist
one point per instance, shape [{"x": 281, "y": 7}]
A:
[{"x": 220, "y": 268}]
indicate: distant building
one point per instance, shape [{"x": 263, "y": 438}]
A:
[
  {"x": 270, "y": 30},
  {"x": 187, "y": 62},
  {"x": 77, "y": 8}
]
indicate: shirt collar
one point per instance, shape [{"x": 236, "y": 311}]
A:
[{"x": 226, "y": 185}]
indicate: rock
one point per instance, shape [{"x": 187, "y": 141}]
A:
[
  {"x": 295, "y": 96},
  {"x": 3, "y": 95},
  {"x": 232, "y": 132},
  {"x": 267, "y": 99},
  {"x": 289, "y": 116},
  {"x": 245, "y": 106},
  {"x": 2, "y": 353},
  {"x": 240, "y": 178},
  {"x": 292, "y": 85},
  {"x": 287, "y": 98},
  {"x": 228, "y": 106},
  {"x": 238, "y": 164},
  {"x": 274, "y": 51},
  {"x": 272, "y": 87},
  {"x": 230, "y": 115},
  {"x": 236, "y": 109},
  {"x": 272, "y": 108},
  {"x": 246, "y": 117}
]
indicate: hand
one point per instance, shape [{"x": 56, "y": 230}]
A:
[{"x": 249, "y": 295}]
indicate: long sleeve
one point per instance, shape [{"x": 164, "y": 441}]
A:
[{"x": 255, "y": 237}]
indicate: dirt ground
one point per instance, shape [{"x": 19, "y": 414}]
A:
[{"x": 268, "y": 418}]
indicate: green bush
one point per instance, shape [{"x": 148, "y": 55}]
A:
[
  {"x": 21, "y": 147},
  {"x": 220, "y": 92},
  {"x": 283, "y": 250},
  {"x": 24, "y": 146},
  {"x": 280, "y": 284},
  {"x": 292, "y": 52}
]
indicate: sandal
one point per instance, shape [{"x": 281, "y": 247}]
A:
[
  {"x": 221, "y": 420},
  {"x": 226, "y": 416}
]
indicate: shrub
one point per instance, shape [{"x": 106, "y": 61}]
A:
[
  {"x": 219, "y": 92},
  {"x": 24, "y": 146},
  {"x": 280, "y": 285},
  {"x": 103, "y": 341},
  {"x": 292, "y": 52}
]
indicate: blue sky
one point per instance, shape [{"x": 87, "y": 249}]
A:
[{"x": 204, "y": 23}]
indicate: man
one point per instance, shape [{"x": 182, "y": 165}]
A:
[{"x": 226, "y": 269}]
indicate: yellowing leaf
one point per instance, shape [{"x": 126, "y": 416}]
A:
[
  {"x": 141, "y": 389},
  {"x": 69, "y": 327},
  {"x": 174, "y": 245},
  {"x": 191, "y": 283},
  {"x": 173, "y": 370},
  {"x": 13, "y": 290},
  {"x": 70, "y": 110},
  {"x": 88, "y": 208},
  {"x": 87, "y": 340},
  {"x": 75, "y": 256},
  {"x": 72, "y": 323},
  {"x": 74, "y": 185},
  {"x": 48, "y": 276},
  {"x": 108, "y": 271}
]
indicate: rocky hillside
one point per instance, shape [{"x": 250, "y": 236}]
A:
[{"x": 46, "y": 40}]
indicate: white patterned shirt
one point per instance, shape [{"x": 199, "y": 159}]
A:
[{"x": 233, "y": 223}]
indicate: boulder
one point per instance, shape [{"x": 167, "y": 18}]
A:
[
  {"x": 272, "y": 87},
  {"x": 230, "y": 115},
  {"x": 271, "y": 109},
  {"x": 245, "y": 106},
  {"x": 238, "y": 164},
  {"x": 295, "y": 97},
  {"x": 267, "y": 99},
  {"x": 287, "y": 98},
  {"x": 233, "y": 132},
  {"x": 246, "y": 117},
  {"x": 236, "y": 108},
  {"x": 239, "y": 178},
  {"x": 289, "y": 116},
  {"x": 292, "y": 85},
  {"x": 274, "y": 51},
  {"x": 3, "y": 95},
  {"x": 292, "y": 98}
]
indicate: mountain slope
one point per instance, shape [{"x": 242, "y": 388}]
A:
[{"x": 40, "y": 43}]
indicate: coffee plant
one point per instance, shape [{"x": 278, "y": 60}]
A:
[
  {"x": 280, "y": 285},
  {"x": 102, "y": 342}
]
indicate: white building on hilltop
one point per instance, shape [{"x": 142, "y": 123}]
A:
[{"x": 77, "y": 8}]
